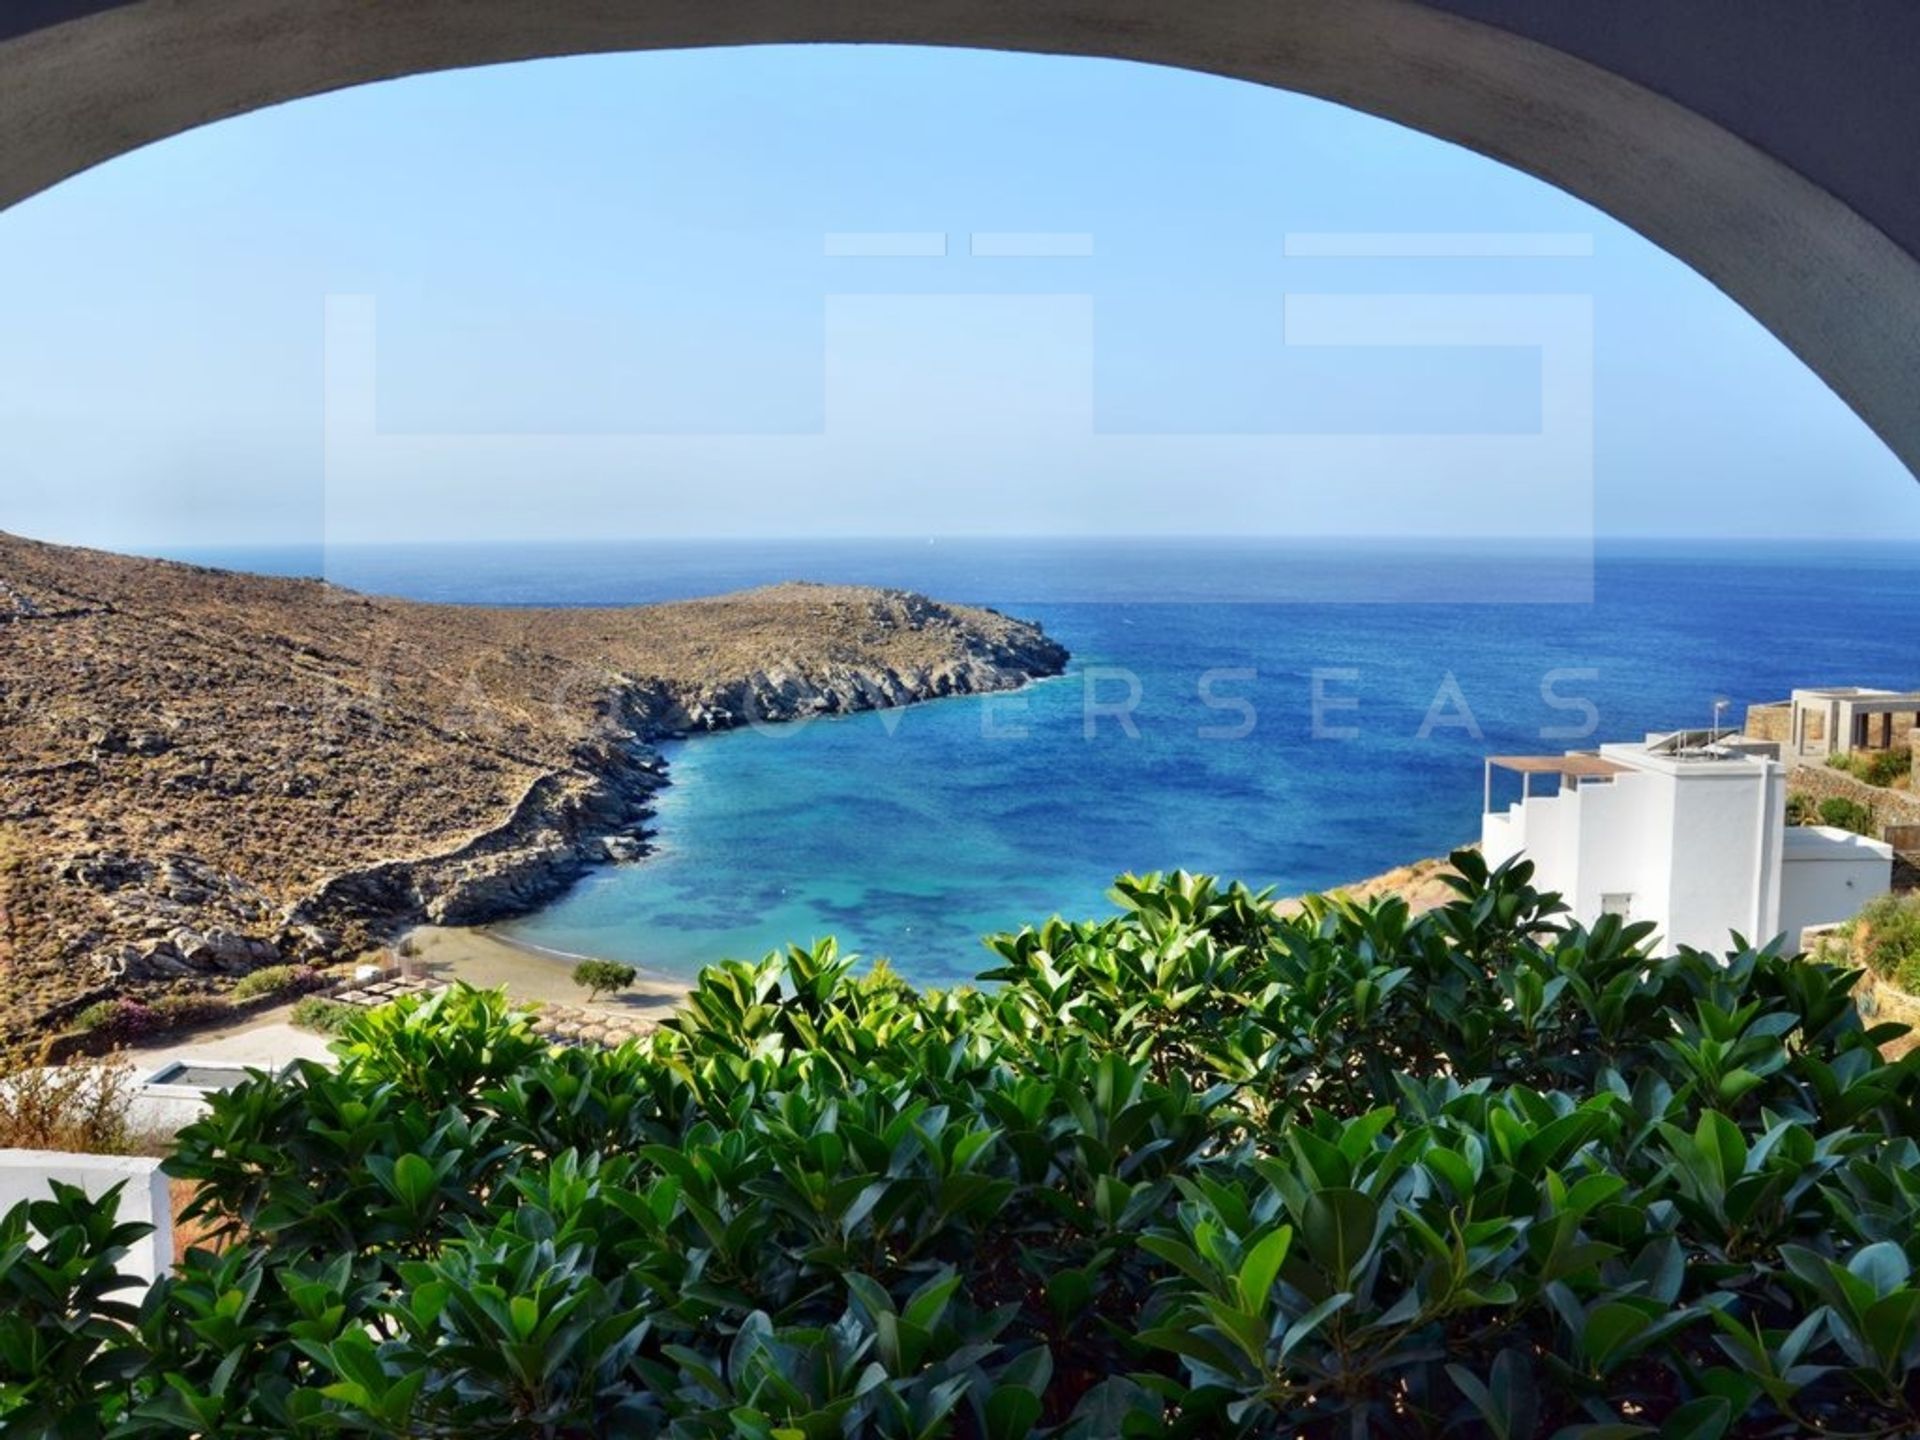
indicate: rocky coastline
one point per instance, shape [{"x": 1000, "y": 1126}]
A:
[
  {"x": 598, "y": 812},
  {"x": 203, "y": 773}
]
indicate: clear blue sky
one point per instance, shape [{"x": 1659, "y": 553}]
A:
[{"x": 606, "y": 307}]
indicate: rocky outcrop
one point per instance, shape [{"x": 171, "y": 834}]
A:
[
  {"x": 780, "y": 694},
  {"x": 175, "y": 916},
  {"x": 201, "y": 771},
  {"x": 596, "y": 813}
]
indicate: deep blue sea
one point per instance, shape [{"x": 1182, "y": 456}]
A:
[{"x": 910, "y": 834}]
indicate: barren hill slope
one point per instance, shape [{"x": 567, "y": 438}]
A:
[{"x": 202, "y": 771}]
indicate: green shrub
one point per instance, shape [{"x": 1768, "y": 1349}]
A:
[
  {"x": 1847, "y": 814},
  {"x": 1198, "y": 1170},
  {"x": 328, "y": 1017},
  {"x": 598, "y": 977},
  {"x": 1876, "y": 767},
  {"x": 1802, "y": 809},
  {"x": 275, "y": 980},
  {"x": 63, "y": 1323},
  {"x": 121, "y": 1019},
  {"x": 455, "y": 1042},
  {"x": 100, "y": 1015},
  {"x": 1884, "y": 767},
  {"x": 1887, "y": 937}
]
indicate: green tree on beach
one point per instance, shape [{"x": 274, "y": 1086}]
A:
[{"x": 600, "y": 977}]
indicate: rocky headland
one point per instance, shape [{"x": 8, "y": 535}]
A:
[{"x": 204, "y": 772}]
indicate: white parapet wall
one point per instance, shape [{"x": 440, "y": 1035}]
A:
[
  {"x": 1828, "y": 875},
  {"x": 28, "y": 1175}
]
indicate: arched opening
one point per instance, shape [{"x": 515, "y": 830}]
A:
[
  {"x": 87, "y": 80},
  {"x": 1065, "y": 1205}
]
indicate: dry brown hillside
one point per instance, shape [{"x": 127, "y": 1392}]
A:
[{"x": 202, "y": 771}]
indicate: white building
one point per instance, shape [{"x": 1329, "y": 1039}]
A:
[
  {"x": 1688, "y": 835},
  {"x": 1840, "y": 719}
]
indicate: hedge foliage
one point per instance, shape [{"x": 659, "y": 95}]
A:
[{"x": 1199, "y": 1170}]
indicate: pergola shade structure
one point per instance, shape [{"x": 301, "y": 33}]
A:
[{"x": 1575, "y": 767}]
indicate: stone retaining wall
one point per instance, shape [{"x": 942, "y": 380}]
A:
[{"x": 1823, "y": 782}]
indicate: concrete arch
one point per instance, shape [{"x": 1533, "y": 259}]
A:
[{"x": 1771, "y": 144}]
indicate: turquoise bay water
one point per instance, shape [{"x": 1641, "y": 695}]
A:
[{"x": 910, "y": 834}]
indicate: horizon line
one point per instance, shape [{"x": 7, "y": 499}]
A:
[{"x": 985, "y": 537}]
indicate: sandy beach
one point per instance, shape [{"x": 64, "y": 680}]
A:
[
  {"x": 483, "y": 959},
  {"x": 486, "y": 960},
  {"x": 1419, "y": 884}
]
